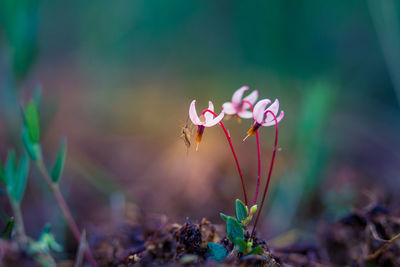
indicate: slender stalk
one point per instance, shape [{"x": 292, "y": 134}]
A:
[
  {"x": 19, "y": 222},
  {"x": 381, "y": 249},
  {"x": 258, "y": 157},
  {"x": 258, "y": 167},
  {"x": 269, "y": 172},
  {"x": 228, "y": 137},
  {"x": 64, "y": 207}
]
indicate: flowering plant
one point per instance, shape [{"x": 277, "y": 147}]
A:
[{"x": 262, "y": 116}]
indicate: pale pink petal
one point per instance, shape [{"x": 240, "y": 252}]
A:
[
  {"x": 252, "y": 98},
  {"x": 237, "y": 96},
  {"x": 272, "y": 122},
  {"x": 215, "y": 120},
  {"x": 228, "y": 108},
  {"x": 208, "y": 115},
  {"x": 193, "y": 113},
  {"x": 245, "y": 114},
  {"x": 273, "y": 108},
  {"x": 259, "y": 108}
]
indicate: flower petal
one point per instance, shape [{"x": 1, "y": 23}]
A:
[
  {"x": 259, "y": 108},
  {"x": 208, "y": 115},
  {"x": 215, "y": 120},
  {"x": 274, "y": 107},
  {"x": 193, "y": 113},
  {"x": 228, "y": 108},
  {"x": 245, "y": 114},
  {"x": 237, "y": 95},
  {"x": 272, "y": 122},
  {"x": 252, "y": 98}
]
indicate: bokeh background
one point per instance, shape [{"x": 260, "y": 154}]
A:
[{"x": 117, "y": 78}]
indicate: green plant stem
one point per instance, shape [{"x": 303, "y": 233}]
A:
[
  {"x": 19, "y": 222},
  {"x": 64, "y": 207}
]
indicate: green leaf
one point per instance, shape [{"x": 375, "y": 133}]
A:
[
  {"x": 241, "y": 244},
  {"x": 32, "y": 122},
  {"x": 7, "y": 232},
  {"x": 234, "y": 229},
  {"x": 10, "y": 173},
  {"x": 15, "y": 178},
  {"x": 217, "y": 251},
  {"x": 223, "y": 216},
  {"x": 241, "y": 210},
  {"x": 59, "y": 164},
  {"x": 2, "y": 174},
  {"x": 21, "y": 178},
  {"x": 34, "y": 150},
  {"x": 256, "y": 251},
  {"x": 46, "y": 242}
]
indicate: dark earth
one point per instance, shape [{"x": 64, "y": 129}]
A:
[{"x": 366, "y": 237}]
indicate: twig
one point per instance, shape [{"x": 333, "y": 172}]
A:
[
  {"x": 81, "y": 250},
  {"x": 381, "y": 249}
]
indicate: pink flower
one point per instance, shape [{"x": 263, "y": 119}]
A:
[
  {"x": 262, "y": 117},
  {"x": 240, "y": 106},
  {"x": 205, "y": 120}
]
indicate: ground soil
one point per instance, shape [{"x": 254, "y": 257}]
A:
[
  {"x": 359, "y": 239},
  {"x": 365, "y": 237}
]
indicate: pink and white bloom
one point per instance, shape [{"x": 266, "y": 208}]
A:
[
  {"x": 239, "y": 106},
  {"x": 205, "y": 120},
  {"x": 262, "y": 117}
]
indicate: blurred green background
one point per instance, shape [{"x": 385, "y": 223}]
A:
[{"x": 118, "y": 77}]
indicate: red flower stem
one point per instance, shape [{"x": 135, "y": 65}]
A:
[
  {"x": 67, "y": 213},
  {"x": 258, "y": 167},
  {"x": 258, "y": 157},
  {"x": 269, "y": 172},
  {"x": 228, "y": 137}
]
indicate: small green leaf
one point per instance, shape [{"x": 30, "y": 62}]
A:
[
  {"x": 10, "y": 173},
  {"x": 223, "y": 216},
  {"x": 234, "y": 229},
  {"x": 217, "y": 251},
  {"x": 7, "y": 232},
  {"x": 241, "y": 210},
  {"x": 59, "y": 164},
  {"x": 32, "y": 122},
  {"x": 247, "y": 220},
  {"x": 45, "y": 243},
  {"x": 34, "y": 150},
  {"x": 21, "y": 178},
  {"x": 241, "y": 244},
  {"x": 256, "y": 251}
]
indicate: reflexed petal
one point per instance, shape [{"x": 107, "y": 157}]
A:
[
  {"x": 208, "y": 115},
  {"x": 272, "y": 122},
  {"x": 193, "y": 113},
  {"x": 215, "y": 120},
  {"x": 245, "y": 114},
  {"x": 274, "y": 107},
  {"x": 237, "y": 95},
  {"x": 228, "y": 108},
  {"x": 259, "y": 108},
  {"x": 252, "y": 98}
]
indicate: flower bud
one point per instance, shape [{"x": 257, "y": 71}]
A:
[{"x": 253, "y": 209}]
